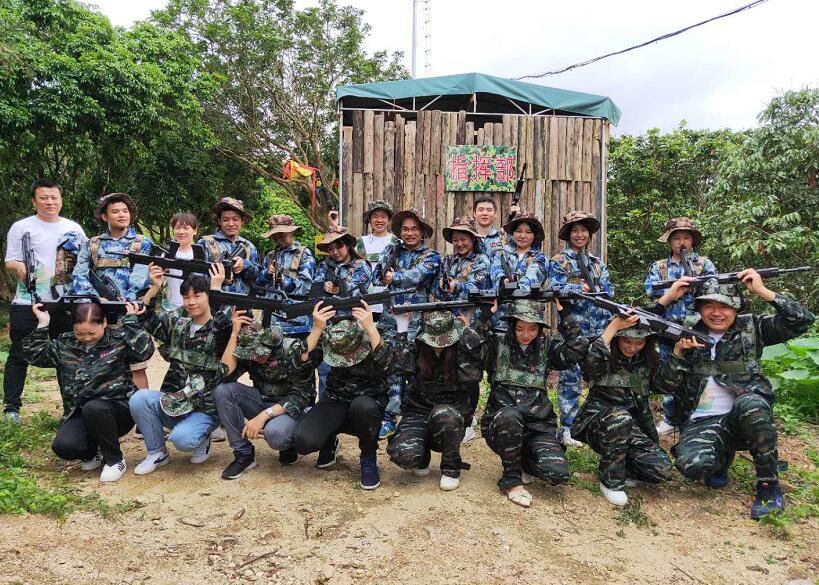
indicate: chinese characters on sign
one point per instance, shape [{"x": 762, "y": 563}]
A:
[{"x": 481, "y": 168}]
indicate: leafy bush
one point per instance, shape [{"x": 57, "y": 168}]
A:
[{"x": 793, "y": 369}]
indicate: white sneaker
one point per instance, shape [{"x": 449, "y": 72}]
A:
[
  {"x": 632, "y": 482},
  {"x": 526, "y": 478},
  {"x": 91, "y": 464},
  {"x": 566, "y": 439},
  {"x": 421, "y": 472},
  {"x": 450, "y": 483},
  {"x": 202, "y": 451},
  {"x": 665, "y": 428},
  {"x": 218, "y": 435},
  {"x": 114, "y": 472},
  {"x": 152, "y": 462},
  {"x": 616, "y": 497},
  {"x": 469, "y": 434}
]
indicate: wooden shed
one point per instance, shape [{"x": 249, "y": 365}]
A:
[{"x": 393, "y": 139}]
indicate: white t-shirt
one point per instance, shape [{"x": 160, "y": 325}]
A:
[
  {"x": 714, "y": 400},
  {"x": 375, "y": 245},
  {"x": 174, "y": 295},
  {"x": 45, "y": 236}
]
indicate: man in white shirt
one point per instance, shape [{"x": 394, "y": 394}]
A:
[{"x": 55, "y": 242}]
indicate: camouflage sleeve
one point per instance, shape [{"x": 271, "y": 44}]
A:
[
  {"x": 251, "y": 269},
  {"x": 159, "y": 323},
  {"x": 470, "y": 363},
  {"x": 360, "y": 278},
  {"x": 404, "y": 356},
  {"x": 708, "y": 267},
  {"x": 39, "y": 350},
  {"x": 360, "y": 247},
  {"x": 383, "y": 357},
  {"x": 420, "y": 276},
  {"x": 496, "y": 268},
  {"x": 300, "y": 396},
  {"x": 477, "y": 280},
  {"x": 138, "y": 280},
  {"x": 378, "y": 269},
  {"x": 558, "y": 278},
  {"x": 671, "y": 375},
  {"x": 81, "y": 284},
  {"x": 300, "y": 285},
  {"x": 605, "y": 281},
  {"x": 568, "y": 347},
  {"x": 596, "y": 361},
  {"x": 652, "y": 277},
  {"x": 535, "y": 273},
  {"x": 791, "y": 320},
  {"x": 263, "y": 279},
  {"x": 321, "y": 273},
  {"x": 201, "y": 242},
  {"x": 140, "y": 346}
]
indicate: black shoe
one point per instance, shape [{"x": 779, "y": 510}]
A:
[
  {"x": 327, "y": 455},
  {"x": 240, "y": 464},
  {"x": 288, "y": 456}
]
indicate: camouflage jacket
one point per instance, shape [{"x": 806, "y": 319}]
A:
[
  {"x": 292, "y": 273},
  {"x": 109, "y": 256},
  {"x": 422, "y": 395},
  {"x": 470, "y": 274},
  {"x": 101, "y": 371},
  {"x": 278, "y": 373},
  {"x": 493, "y": 242},
  {"x": 668, "y": 269},
  {"x": 564, "y": 273},
  {"x": 191, "y": 353},
  {"x": 68, "y": 252},
  {"x": 356, "y": 275},
  {"x": 517, "y": 377},
  {"x": 623, "y": 385},
  {"x": 219, "y": 243},
  {"x": 366, "y": 378},
  {"x": 528, "y": 271},
  {"x": 737, "y": 365}
]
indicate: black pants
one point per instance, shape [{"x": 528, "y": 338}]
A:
[
  {"x": 361, "y": 418},
  {"x": 97, "y": 424},
  {"x": 22, "y": 322}
]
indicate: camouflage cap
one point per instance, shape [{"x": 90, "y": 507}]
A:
[
  {"x": 376, "y": 205},
  {"x": 345, "y": 344},
  {"x": 398, "y": 219},
  {"x": 106, "y": 200},
  {"x": 229, "y": 203},
  {"x": 338, "y": 233},
  {"x": 527, "y": 310},
  {"x": 281, "y": 224},
  {"x": 573, "y": 217},
  {"x": 180, "y": 403},
  {"x": 256, "y": 343},
  {"x": 531, "y": 220},
  {"x": 727, "y": 294},
  {"x": 681, "y": 223},
  {"x": 440, "y": 329},
  {"x": 466, "y": 225},
  {"x": 638, "y": 331}
]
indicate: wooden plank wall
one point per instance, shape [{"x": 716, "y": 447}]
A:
[{"x": 403, "y": 161}]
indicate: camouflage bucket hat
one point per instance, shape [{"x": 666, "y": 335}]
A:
[
  {"x": 180, "y": 403},
  {"x": 255, "y": 343},
  {"x": 229, "y": 203},
  {"x": 440, "y": 329},
  {"x": 573, "y": 217},
  {"x": 461, "y": 225},
  {"x": 338, "y": 233},
  {"x": 345, "y": 344},
  {"x": 531, "y": 220},
  {"x": 281, "y": 224},
  {"x": 681, "y": 223},
  {"x": 377, "y": 205},
  {"x": 638, "y": 331},
  {"x": 527, "y": 310},
  {"x": 398, "y": 219},
  {"x": 727, "y": 294},
  {"x": 105, "y": 200}
]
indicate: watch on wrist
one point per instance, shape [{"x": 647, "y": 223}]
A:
[{"x": 269, "y": 412}]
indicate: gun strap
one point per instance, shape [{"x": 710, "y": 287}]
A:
[
  {"x": 134, "y": 247},
  {"x": 662, "y": 267}
]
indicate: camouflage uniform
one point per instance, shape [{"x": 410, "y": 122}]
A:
[
  {"x": 616, "y": 420},
  {"x": 68, "y": 252},
  {"x": 356, "y": 274},
  {"x": 706, "y": 442},
  {"x": 493, "y": 242},
  {"x": 218, "y": 244},
  {"x": 109, "y": 256},
  {"x": 434, "y": 409},
  {"x": 469, "y": 273},
  {"x": 564, "y": 273},
  {"x": 519, "y": 423},
  {"x": 528, "y": 271},
  {"x": 294, "y": 268}
]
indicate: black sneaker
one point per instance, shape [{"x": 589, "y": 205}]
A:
[
  {"x": 327, "y": 455},
  {"x": 370, "y": 478},
  {"x": 240, "y": 464},
  {"x": 288, "y": 456}
]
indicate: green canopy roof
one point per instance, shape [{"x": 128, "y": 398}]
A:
[{"x": 560, "y": 100}]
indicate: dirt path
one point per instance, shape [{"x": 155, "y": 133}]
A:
[{"x": 303, "y": 525}]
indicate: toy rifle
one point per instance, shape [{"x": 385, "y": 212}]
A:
[
  {"x": 66, "y": 304},
  {"x": 31, "y": 267},
  {"x": 687, "y": 264},
  {"x": 518, "y": 192},
  {"x": 392, "y": 260},
  {"x": 586, "y": 272},
  {"x": 487, "y": 297},
  {"x": 186, "y": 267},
  {"x": 106, "y": 288},
  {"x": 662, "y": 327},
  {"x": 730, "y": 277},
  {"x": 446, "y": 265}
]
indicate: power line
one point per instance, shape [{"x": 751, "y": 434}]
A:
[{"x": 660, "y": 38}]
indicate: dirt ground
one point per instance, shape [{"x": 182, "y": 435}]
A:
[{"x": 303, "y": 525}]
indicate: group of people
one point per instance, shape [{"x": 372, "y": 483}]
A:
[{"x": 411, "y": 378}]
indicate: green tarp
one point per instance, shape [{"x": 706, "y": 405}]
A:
[{"x": 574, "y": 102}]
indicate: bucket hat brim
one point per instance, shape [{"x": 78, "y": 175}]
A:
[
  {"x": 445, "y": 339},
  {"x": 533, "y": 222},
  {"x": 591, "y": 223},
  {"x": 398, "y": 219}
]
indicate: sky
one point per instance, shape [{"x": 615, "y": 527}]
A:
[{"x": 720, "y": 75}]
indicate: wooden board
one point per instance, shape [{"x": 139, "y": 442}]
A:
[
  {"x": 442, "y": 142},
  {"x": 347, "y": 173},
  {"x": 588, "y": 131},
  {"x": 420, "y": 123},
  {"x": 389, "y": 162},
  {"x": 561, "y": 149},
  {"x": 358, "y": 199},
  {"x": 358, "y": 141},
  {"x": 577, "y": 152},
  {"x": 369, "y": 117},
  {"x": 554, "y": 133},
  {"x": 378, "y": 156},
  {"x": 409, "y": 165},
  {"x": 399, "y": 162},
  {"x": 537, "y": 162},
  {"x": 530, "y": 147}
]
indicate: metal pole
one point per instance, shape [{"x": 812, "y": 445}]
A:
[{"x": 414, "y": 34}]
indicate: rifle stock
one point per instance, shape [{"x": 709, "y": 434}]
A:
[
  {"x": 185, "y": 266},
  {"x": 66, "y": 304}
]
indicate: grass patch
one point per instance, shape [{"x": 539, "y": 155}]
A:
[
  {"x": 582, "y": 460},
  {"x": 632, "y": 513}
]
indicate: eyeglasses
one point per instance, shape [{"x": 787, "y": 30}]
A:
[{"x": 410, "y": 229}]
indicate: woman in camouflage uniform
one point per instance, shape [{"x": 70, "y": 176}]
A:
[
  {"x": 519, "y": 423},
  {"x": 444, "y": 367},
  {"x": 616, "y": 419},
  {"x": 94, "y": 363},
  {"x": 466, "y": 270}
]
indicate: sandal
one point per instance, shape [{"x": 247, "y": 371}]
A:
[{"x": 520, "y": 497}]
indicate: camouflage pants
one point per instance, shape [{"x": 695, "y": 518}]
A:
[
  {"x": 625, "y": 450},
  {"x": 707, "y": 443},
  {"x": 568, "y": 395},
  {"x": 418, "y": 434},
  {"x": 537, "y": 453}
]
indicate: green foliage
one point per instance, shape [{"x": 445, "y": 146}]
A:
[
  {"x": 633, "y": 513},
  {"x": 793, "y": 369}
]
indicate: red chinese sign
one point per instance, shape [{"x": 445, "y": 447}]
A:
[{"x": 481, "y": 168}]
